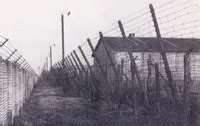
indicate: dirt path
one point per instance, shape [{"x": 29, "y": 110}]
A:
[{"x": 48, "y": 107}]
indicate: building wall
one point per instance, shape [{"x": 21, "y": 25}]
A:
[
  {"x": 195, "y": 71},
  {"x": 175, "y": 60}
]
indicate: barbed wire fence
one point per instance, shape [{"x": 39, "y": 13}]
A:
[
  {"x": 17, "y": 81},
  {"x": 151, "y": 83}
]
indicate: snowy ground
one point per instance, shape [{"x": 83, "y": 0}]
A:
[{"x": 48, "y": 107}]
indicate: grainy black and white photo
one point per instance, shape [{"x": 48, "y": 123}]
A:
[{"x": 99, "y": 62}]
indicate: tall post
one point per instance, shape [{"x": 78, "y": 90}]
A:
[
  {"x": 164, "y": 56},
  {"x": 63, "y": 38},
  {"x": 50, "y": 57},
  {"x": 63, "y": 49},
  {"x": 132, "y": 59}
]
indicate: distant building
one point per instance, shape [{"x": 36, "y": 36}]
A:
[{"x": 148, "y": 48}]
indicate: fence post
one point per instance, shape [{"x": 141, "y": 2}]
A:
[
  {"x": 11, "y": 54},
  {"x": 76, "y": 75},
  {"x": 80, "y": 62},
  {"x": 164, "y": 56},
  {"x": 96, "y": 58},
  {"x": 65, "y": 67},
  {"x": 187, "y": 75},
  {"x": 79, "y": 69},
  {"x": 133, "y": 63},
  {"x": 149, "y": 65},
  {"x": 157, "y": 78},
  {"x": 86, "y": 60},
  {"x": 96, "y": 93},
  {"x": 109, "y": 56},
  {"x": 73, "y": 66},
  {"x": 101, "y": 69},
  {"x": 112, "y": 65},
  {"x": 68, "y": 67}
]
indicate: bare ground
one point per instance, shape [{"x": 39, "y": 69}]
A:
[{"x": 49, "y": 107}]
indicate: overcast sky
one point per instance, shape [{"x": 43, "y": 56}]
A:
[{"x": 33, "y": 25}]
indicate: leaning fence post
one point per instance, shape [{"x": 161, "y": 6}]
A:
[
  {"x": 96, "y": 58},
  {"x": 95, "y": 82},
  {"x": 112, "y": 65},
  {"x": 68, "y": 67},
  {"x": 65, "y": 67},
  {"x": 73, "y": 66},
  {"x": 78, "y": 67},
  {"x": 75, "y": 71},
  {"x": 109, "y": 57},
  {"x": 100, "y": 68},
  {"x": 86, "y": 60},
  {"x": 83, "y": 68},
  {"x": 84, "y": 71},
  {"x": 133, "y": 63},
  {"x": 164, "y": 56}
]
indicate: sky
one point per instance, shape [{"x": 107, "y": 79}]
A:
[{"x": 33, "y": 25}]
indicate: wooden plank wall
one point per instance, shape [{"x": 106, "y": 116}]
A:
[{"x": 176, "y": 64}]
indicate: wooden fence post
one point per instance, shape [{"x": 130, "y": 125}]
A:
[
  {"x": 149, "y": 65},
  {"x": 187, "y": 75},
  {"x": 164, "y": 56},
  {"x": 65, "y": 67},
  {"x": 113, "y": 67},
  {"x": 86, "y": 60},
  {"x": 79, "y": 61},
  {"x": 96, "y": 95},
  {"x": 96, "y": 58},
  {"x": 132, "y": 59},
  {"x": 85, "y": 75},
  {"x": 68, "y": 66},
  {"x": 107, "y": 86},
  {"x": 157, "y": 78},
  {"x": 109, "y": 57},
  {"x": 73, "y": 66},
  {"x": 78, "y": 67}
]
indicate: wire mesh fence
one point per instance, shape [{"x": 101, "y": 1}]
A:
[{"x": 153, "y": 70}]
